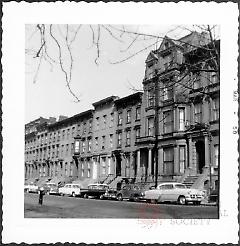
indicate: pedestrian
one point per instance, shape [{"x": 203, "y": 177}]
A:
[{"x": 41, "y": 194}]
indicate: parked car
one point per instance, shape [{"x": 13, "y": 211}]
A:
[
  {"x": 31, "y": 188},
  {"x": 51, "y": 188},
  {"x": 70, "y": 189},
  {"x": 131, "y": 192},
  {"x": 174, "y": 192},
  {"x": 95, "y": 190},
  {"x": 110, "y": 194}
]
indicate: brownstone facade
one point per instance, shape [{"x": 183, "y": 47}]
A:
[{"x": 176, "y": 115}]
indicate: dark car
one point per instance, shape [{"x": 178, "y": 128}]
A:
[
  {"x": 131, "y": 192},
  {"x": 110, "y": 194},
  {"x": 95, "y": 190}
]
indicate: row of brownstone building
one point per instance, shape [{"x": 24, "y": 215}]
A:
[{"x": 175, "y": 119}]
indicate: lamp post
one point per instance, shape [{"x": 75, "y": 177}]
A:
[
  {"x": 210, "y": 161},
  {"x": 156, "y": 122}
]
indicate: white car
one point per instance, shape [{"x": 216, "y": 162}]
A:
[
  {"x": 31, "y": 188},
  {"x": 70, "y": 189},
  {"x": 174, "y": 192}
]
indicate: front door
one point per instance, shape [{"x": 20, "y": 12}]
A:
[
  {"x": 200, "y": 156},
  {"x": 118, "y": 165}
]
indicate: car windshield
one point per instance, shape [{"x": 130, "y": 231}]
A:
[{"x": 180, "y": 186}]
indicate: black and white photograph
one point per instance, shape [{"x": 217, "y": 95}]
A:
[{"x": 122, "y": 125}]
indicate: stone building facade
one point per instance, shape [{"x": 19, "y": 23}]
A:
[{"x": 173, "y": 123}]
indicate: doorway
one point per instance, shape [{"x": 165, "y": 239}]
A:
[
  {"x": 118, "y": 165},
  {"x": 200, "y": 156}
]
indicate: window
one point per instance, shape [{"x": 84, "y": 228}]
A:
[
  {"x": 68, "y": 133},
  {"x": 111, "y": 140},
  {"x": 78, "y": 129},
  {"x": 84, "y": 127},
  {"x": 96, "y": 143},
  {"x": 182, "y": 164},
  {"x": 167, "y": 91},
  {"x": 66, "y": 169},
  {"x": 103, "y": 142},
  {"x": 215, "y": 109},
  {"x": 67, "y": 149},
  {"x": 73, "y": 131},
  {"x": 198, "y": 113},
  {"x": 72, "y": 148},
  {"x": 82, "y": 169},
  {"x": 58, "y": 136},
  {"x": 138, "y": 113},
  {"x": 151, "y": 126},
  {"x": 120, "y": 118},
  {"x": 97, "y": 123},
  {"x": 104, "y": 121},
  {"x": 83, "y": 146},
  {"x": 77, "y": 146},
  {"x": 128, "y": 139},
  {"x": 111, "y": 120},
  {"x": 119, "y": 139},
  {"x": 197, "y": 82},
  {"x": 216, "y": 154},
  {"x": 103, "y": 165},
  {"x": 168, "y": 121},
  {"x": 150, "y": 96},
  {"x": 137, "y": 132},
  {"x": 128, "y": 116},
  {"x": 90, "y": 126},
  {"x": 168, "y": 161},
  {"x": 213, "y": 77},
  {"x": 89, "y": 145},
  {"x": 88, "y": 170},
  {"x": 181, "y": 119},
  {"x": 63, "y": 134}
]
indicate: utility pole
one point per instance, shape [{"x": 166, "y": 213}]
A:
[{"x": 156, "y": 126}]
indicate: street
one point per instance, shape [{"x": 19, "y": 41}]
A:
[{"x": 74, "y": 207}]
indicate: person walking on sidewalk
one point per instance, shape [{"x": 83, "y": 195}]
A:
[{"x": 41, "y": 194}]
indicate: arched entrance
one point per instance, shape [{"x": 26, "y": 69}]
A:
[{"x": 200, "y": 156}]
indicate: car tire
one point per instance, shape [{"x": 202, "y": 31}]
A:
[
  {"x": 136, "y": 199},
  {"x": 85, "y": 196},
  {"x": 73, "y": 194},
  {"x": 61, "y": 194},
  {"x": 48, "y": 192},
  {"x": 119, "y": 197},
  {"x": 153, "y": 201},
  {"x": 182, "y": 200},
  {"x": 27, "y": 190},
  {"x": 101, "y": 197}
]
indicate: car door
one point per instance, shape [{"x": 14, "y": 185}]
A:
[
  {"x": 168, "y": 192},
  {"x": 125, "y": 192}
]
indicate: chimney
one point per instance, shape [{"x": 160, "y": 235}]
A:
[
  {"x": 52, "y": 120},
  {"x": 62, "y": 117}
]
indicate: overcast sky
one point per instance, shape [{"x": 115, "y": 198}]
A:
[{"x": 49, "y": 96}]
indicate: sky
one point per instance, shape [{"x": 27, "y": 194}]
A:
[{"x": 48, "y": 96}]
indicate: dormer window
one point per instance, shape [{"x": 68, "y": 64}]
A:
[{"x": 167, "y": 45}]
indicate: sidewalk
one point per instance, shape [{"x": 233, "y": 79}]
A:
[{"x": 206, "y": 202}]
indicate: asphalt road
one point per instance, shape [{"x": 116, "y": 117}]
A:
[{"x": 74, "y": 207}]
